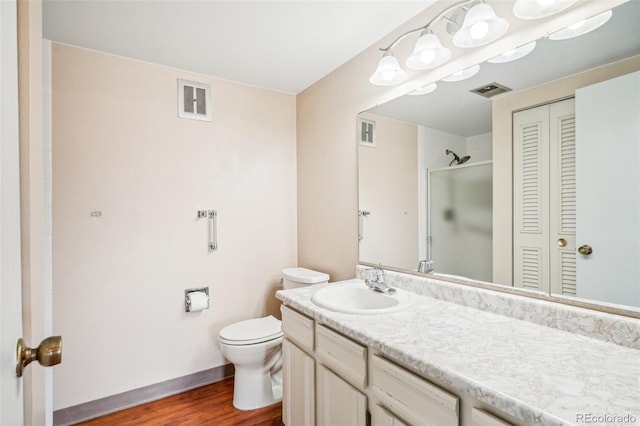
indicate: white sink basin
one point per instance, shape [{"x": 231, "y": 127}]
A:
[{"x": 354, "y": 297}]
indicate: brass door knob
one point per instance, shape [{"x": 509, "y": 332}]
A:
[
  {"x": 585, "y": 249},
  {"x": 48, "y": 353},
  {"x": 562, "y": 242}
]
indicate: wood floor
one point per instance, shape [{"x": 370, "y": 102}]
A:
[{"x": 208, "y": 405}]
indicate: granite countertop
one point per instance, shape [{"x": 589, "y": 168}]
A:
[{"x": 541, "y": 375}]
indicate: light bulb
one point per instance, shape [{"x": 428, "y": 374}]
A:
[
  {"x": 427, "y": 56},
  {"x": 479, "y": 30},
  {"x": 387, "y": 75}
]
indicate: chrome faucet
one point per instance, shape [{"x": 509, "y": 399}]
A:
[{"x": 378, "y": 284}]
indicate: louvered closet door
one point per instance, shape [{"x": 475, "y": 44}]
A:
[
  {"x": 544, "y": 198},
  {"x": 531, "y": 210},
  {"x": 562, "y": 202}
]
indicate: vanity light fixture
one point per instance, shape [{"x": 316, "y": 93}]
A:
[
  {"x": 514, "y": 54},
  {"x": 424, "y": 90},
  {"x": 535, "y": 9},
  {"x": 428, "y": 53},
  {"x": 582, "y": 27},
  {"x": 388, "y": 72},
  {"x": 464, "y": 74},
  {"x": 479, "y": 26}
]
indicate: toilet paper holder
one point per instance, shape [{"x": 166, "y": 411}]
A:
[{"x": 187, "y": 297}]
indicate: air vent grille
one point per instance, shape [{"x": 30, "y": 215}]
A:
[{"x": 490, "y": 90}]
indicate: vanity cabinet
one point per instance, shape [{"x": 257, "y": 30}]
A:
[
  {"x": 411, "y": 397},
  {"x": 329, "y": 380}
]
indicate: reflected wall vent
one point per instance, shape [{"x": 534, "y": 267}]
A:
[
  {"x": 367, "y": 132},
  {"x": 490, "y": 90},
  {"x": 194, "y": 100}
]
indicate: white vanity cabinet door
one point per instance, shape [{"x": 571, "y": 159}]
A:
[
  {"x": 339, "y": 403},
  {"x": 412, "y": 397},
  {"x": 382, "y": 417},
  {"x": 298, "y": 381}
]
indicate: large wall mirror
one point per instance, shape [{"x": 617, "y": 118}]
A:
[{"x": 562, "y": 126}]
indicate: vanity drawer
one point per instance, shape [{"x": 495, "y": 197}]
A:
[
  {"x": 482, "y": 418},
  {"x": 412, "y": 397},
  {"x": 342, "y": 355},
  {"x": 297, "y": 328}
]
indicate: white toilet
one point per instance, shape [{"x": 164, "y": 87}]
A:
[{"x": 254, "y": 347}]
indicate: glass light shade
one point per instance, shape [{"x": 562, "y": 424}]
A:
[
  {"x": 428, "y": 52},
  {"x": 388, "y": 72},
  {"x": 423, "y": 90},
  {"x": 464, "y": 74},
  {"x": 582, "y": 27},
  {"x": 480, "y": 26},
  {"x": 535, "y": 9},
  {"x": 514, "y": 54}
]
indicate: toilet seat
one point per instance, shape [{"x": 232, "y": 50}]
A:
[{"x": 253, "y": 331}]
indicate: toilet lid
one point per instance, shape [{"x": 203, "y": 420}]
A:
[{"x": 252, "y": 331}]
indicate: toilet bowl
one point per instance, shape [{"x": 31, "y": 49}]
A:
[{"x": 254, "y": 347}]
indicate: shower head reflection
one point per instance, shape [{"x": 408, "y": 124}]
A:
[{"x": 457, "y": 159}]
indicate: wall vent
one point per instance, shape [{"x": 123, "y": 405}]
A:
[
  {"x": 490, "y": 90},
  {"x": 367, "y": 132},
  {"x": 194, "y": 100}
]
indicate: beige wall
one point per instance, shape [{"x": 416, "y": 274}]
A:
[
  {"x": 326, "y": 133},
  {"x": 502, "y": 114},
  {"x": 119, "y": 280},
  {"x": 388, "y": 182}
]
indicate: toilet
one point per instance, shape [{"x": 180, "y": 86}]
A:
[{"x": 254, "y": 346}]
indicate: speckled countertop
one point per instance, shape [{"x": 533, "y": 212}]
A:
[{"x": 539, "y": 374}]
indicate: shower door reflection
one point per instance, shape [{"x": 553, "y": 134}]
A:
[{"x": 460, "y": 220}]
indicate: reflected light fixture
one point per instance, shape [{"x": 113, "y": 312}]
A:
[
  {"x": 535, "y": 9},
  {"x": 424, "y": 90},
  {"x": 582, "y": 27},
  {"x": 514, "y": 54},
  {"x": 480, "y": 26},
  {"x": 388, "y": 72},
  {"x": 464, "y": 74}
]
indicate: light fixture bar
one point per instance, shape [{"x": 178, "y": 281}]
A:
[{"x": 424, "y": 27}]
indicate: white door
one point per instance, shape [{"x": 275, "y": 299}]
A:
[
  {"x": 608, "y": 172},
  {"x": 545, "y": 198},
  {"x": 11, "y": 405}
]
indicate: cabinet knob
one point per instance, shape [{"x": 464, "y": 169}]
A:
[{"x": 562, "y": 242}]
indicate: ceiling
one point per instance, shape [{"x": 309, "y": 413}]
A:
[{"x": 279, "y": 45}]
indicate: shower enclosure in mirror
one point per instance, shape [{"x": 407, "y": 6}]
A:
[
  {"x": 460, "y": 222},
  {"x": 587, "y": 182}
]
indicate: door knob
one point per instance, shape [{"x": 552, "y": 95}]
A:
[
  {"x": 562, "y": 242},
  {"x": 48, "y": 353},
  {"x": 585, "y": 249}
]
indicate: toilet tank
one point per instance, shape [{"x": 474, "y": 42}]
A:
[{"x": 300, "y": 277}]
